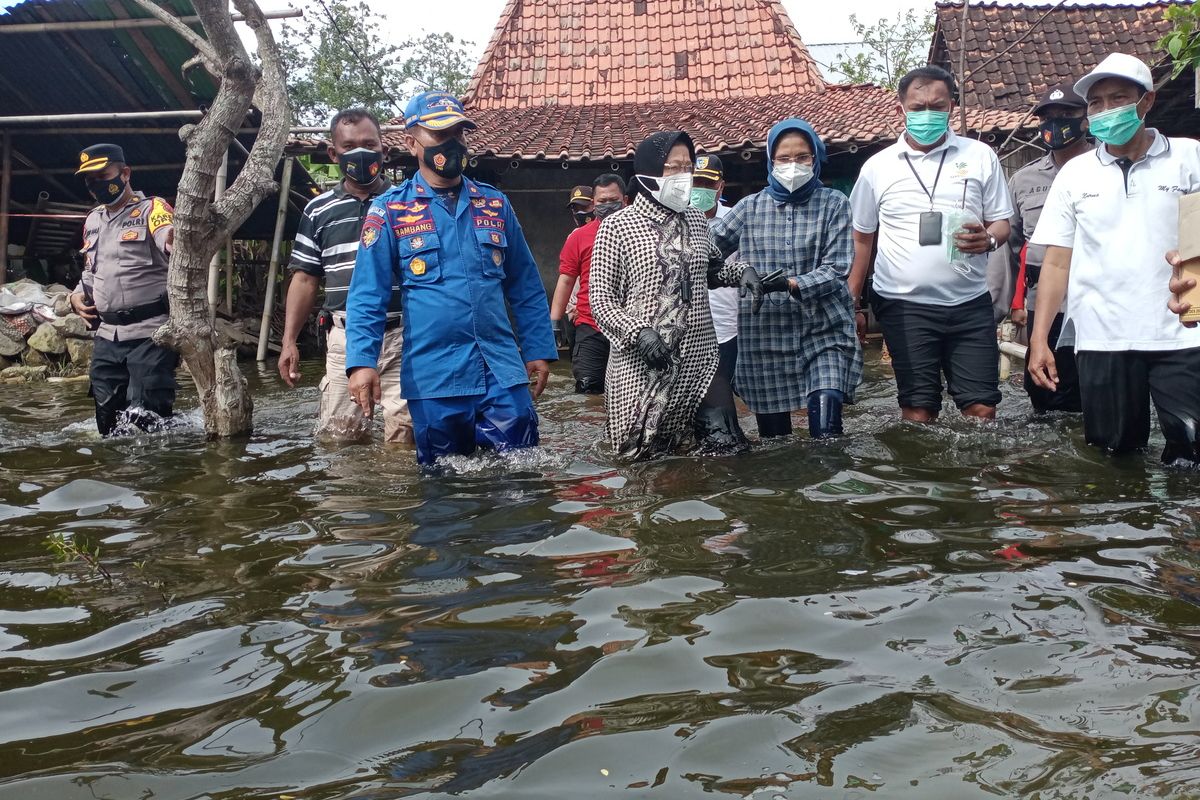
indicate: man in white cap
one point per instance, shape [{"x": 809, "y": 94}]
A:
[{"x": 1108, "y": 220}]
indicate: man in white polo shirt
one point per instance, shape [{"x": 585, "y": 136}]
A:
[
  {"x": 1108, "y": 220},
  {"x": 936, "y": 314}
]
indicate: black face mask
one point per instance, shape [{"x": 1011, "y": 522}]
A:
[
  {"x": 581, "y": 218},
  {"x": 602, "y": 210},
  {"x": 447, "y": 159},
  {"x": 106, "y": 190},
  {"x": 1060, "y": 132},
  {"x": 361, "y": 165}
]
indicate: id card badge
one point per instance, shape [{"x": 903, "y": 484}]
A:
[{"x": 929, "y": 230}]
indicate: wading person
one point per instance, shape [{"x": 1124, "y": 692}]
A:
[
  {"x": 936, "y": 314},
  {"x": 801, "y": 351},
  {"x": 457, "y": 252},
  {"x": 1110, "y": 216},
  {"x": 325, "y": 247},
  {"x": 708, "y": 182},
  {"x": 126, "y": 246},
  {"x": 589, "y": 353},
  {"x": 652, "y": 266},
  {"x": 1062, "y": 116}
]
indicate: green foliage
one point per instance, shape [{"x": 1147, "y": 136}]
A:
[
  {"x": 70, "y": 550},
  {"x": 339, "y": 56},
  {"x": 892, "y": 48},
  {"x": 1182, "y": 43}
]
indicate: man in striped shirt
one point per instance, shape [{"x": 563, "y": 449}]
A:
[{"x": 325, "y": 248}]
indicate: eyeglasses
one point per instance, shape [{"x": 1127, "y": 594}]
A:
[
  {"x": 804, "y": 158},
  {"x": 677, "y": 168}
]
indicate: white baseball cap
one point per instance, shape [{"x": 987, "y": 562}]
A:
[{"x": 1117, "y": 65}]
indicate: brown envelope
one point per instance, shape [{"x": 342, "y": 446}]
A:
[{"x": 1189, "y": 250}]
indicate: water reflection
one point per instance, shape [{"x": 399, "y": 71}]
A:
[{"x": 909, "y": 612}]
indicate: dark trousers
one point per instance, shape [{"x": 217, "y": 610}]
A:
[
  {"x": 1117, "y": 388},
  {"x": 927, "y": 341},
  {"x": 134, "y": 378},
  {"x": 589, "y": 359},
  {"x": 727, "y": 366},
  {"x": 1066, "y": 396}
]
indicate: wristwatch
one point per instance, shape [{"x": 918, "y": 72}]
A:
[{"x": 992, "y": 243}]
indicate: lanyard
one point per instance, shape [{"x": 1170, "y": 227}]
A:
[{"x": 938, "y": 177}]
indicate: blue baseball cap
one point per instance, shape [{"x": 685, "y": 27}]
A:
[{"x": 436, "y": 111}]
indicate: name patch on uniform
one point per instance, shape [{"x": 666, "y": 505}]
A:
[
  {"x": 493, "y": 223},
  {"x": 417, "y": 265},
  {"x": 409, "y": 230},
  {"x": 161, "y": 214}
]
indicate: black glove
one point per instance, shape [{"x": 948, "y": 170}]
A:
[
  {"x": 560, "y": 334},
  {"x": 652, "y": 349},
  {"x": 750, "y": 282},
  {"x": 776, "y": 281}
]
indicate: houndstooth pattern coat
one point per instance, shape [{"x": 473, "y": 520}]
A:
[{"x": 650, "y": 269}]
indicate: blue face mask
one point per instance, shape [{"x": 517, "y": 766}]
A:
[
  {"x": 926, "y": 127},
  {"x": 1115, "y": 126}
]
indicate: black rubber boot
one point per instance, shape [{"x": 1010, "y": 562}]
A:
[{"x": 825, "y": 413}]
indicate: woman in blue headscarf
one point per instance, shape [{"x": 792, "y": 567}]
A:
[{"x": 800, "y": 351}]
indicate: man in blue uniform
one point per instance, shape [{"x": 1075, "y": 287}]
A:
[{"x": 457, "y": 252}]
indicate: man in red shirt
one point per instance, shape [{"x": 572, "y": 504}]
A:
[{"x": 589, "y": 356}]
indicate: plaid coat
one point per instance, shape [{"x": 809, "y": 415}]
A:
[{"x": 794, "y": 347}]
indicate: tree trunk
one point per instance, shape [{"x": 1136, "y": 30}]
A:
[{"x": 201, "y": 223}]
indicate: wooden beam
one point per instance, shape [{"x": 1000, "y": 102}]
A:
[
  {"x": 5, "y": 192},
  {"x": 34, "y": 169},
  {"x": 101, "y": 116},
  {"x": 123, "y": 24}
]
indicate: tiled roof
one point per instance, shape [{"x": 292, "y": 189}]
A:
[
  {"x": 578, "y": 52},
  {"x": 844, "y": 116},
  {"x": 1066, "y": 41}
]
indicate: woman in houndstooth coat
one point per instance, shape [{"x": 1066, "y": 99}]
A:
[{"x": 652, "y": 265}]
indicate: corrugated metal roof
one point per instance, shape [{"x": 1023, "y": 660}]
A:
[{"x": 91, "y": 71}]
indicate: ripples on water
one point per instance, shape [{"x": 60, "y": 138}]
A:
[{"x": 941, "y": 612}]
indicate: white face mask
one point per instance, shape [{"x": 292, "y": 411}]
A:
[
  {"x": 792, "y": 176},
  {"x": 674, "y": 191}
]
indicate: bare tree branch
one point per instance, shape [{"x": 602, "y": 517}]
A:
[{"x": 205, "y": 51}]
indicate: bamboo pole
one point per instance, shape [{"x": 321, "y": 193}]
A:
[
  {"x": 264, "y": 326},
  {"x": 229, "y": 276},
  {"x": 5, "y": 193},
  {"x": 123, "y": 24},
  {"x": 214, "y": 266},
  {"x": 104, "y": 116}
]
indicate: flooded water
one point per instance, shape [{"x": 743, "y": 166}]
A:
[{"x": 951, "y": 611}]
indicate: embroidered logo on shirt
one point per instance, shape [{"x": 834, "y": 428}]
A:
[
  {"x": 370, "y": 235},
  {"x": 417, "y": 265},
  {"x": 497, "y": 257},
  {"x": 496, "y": 203},
  {"x": 478, "y": 202},
  {"x": 495, "y": 237},
  {"x": 417, "y": 242},
  {"x": 129, "y": 236},
  {"x": 137, "y": 212}
]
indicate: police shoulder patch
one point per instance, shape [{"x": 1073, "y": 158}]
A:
[{"x": 161, "y": 214}]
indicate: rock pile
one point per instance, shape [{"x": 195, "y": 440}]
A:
[{"x": 39, "y": 333}]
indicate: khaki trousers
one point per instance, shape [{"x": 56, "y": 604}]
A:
[{"x": 341, "y": 418}]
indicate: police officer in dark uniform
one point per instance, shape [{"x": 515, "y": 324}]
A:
[{"x": 123, "y": 294}]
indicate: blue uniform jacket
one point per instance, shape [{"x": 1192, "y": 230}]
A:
[{"x": 455, "y": 274}]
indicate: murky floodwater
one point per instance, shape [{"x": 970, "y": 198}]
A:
[{"x": 942, "y": 612}]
